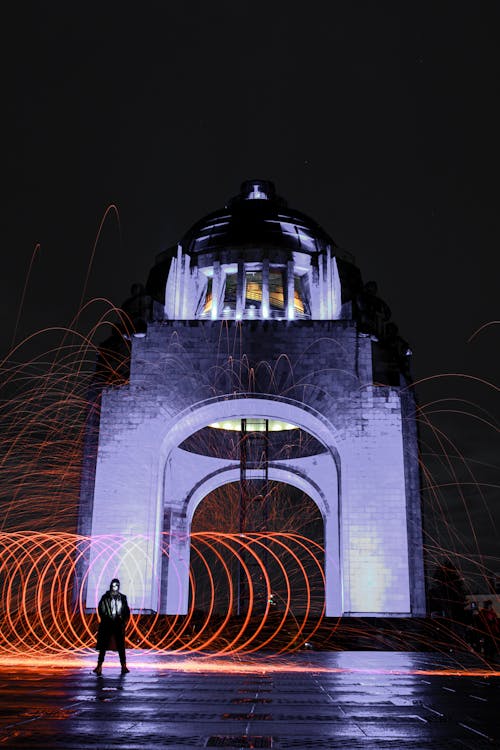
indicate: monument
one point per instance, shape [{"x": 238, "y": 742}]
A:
[{"x": 257, "y": 325}]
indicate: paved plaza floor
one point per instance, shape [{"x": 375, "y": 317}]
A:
[{"x": 306, "y": 701}]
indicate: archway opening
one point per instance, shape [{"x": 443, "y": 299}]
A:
[
  {"x": 250, "y": 443},
  {"x": 269, "y": 576}
]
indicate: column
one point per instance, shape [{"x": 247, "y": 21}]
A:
[
  {"x": 333, "y": 579},
  {"x": 265, "y": 308},
  {"x": 216, "y": 286},
  {"x": 313, "y": 274},
  {"x": 329, "y": 288},
  {"x": 321, "y": 279},
  {"x": 240, "y": 290},
  {"x": 178, "y": 275},
  {"x": 179, "y": 548},
  {"x": 186, "y": 288},
  {"x": 290, "y": 282}
]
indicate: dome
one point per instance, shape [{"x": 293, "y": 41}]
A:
[
  {"x": 254, "y": 259},
  {"x": 258, "y": 260},
  {"x": 257, "y": 217}
]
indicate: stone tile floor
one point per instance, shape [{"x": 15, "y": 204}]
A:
[{"x": 306, "y": 701}]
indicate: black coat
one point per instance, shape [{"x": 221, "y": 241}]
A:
[{"x": 111, "y": 632}]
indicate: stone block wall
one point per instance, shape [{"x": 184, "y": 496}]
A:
[{"x": 322, "y": 368}]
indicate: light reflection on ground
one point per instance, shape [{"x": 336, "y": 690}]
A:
[
  {"x": 309, "y": 699},
  {"x": 324, "y": 662}
]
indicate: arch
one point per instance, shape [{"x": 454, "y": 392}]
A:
[
  {"x": 317, "y": 476},
  {"x": 295, "y": 478},
  {"x": 250, "y": 405}
]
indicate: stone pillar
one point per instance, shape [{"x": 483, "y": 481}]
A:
[
  {"x": 329, "y": 285},
  {"x": 178, "y": 277},
  {"x": 216, "y": 289},
  {"x": 240, "y": 290},
  {"x": 333, "y": 579},
  {"x": 321, "y": 285},
  {"x": 413, "y": 503},
  {"x": 314, "y": 291},
  {"x": 170, "y": 291},
  {"x": 265, "y": 309},
  {"x": 336, "y": 291},
  {"x": 186, "y": 297},
  {"x": 290, "y": 290},
  {"x": 179, "y": 548}
]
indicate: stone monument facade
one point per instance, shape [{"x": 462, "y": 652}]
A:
[{"x": 257, "y": 318}]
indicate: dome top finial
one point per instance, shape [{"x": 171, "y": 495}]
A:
[{"x": 263, "y": 190}]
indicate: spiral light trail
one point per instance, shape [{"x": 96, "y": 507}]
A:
[{"x": 42, "y": 600}]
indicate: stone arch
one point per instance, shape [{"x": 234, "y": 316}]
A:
[
  {"x": 178, "y": 578},
  {"x": 317, "y": 476},
  {"x": 220, "y": 408},
  {"x": 294, "y": 477}
]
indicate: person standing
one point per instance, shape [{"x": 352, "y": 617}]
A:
[{"x": 113, "y": 613}]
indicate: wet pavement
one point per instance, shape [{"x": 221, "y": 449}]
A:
[{"x": 305, "y": 701}]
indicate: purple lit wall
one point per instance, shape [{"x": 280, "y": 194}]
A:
[
  {"x": 220, "y": 346},
  {"x": 143, "y": 477}
]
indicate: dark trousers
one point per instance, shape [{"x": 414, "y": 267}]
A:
[
  {"x": 115, "y": 634},
  {"x": 121, "y": 653}
]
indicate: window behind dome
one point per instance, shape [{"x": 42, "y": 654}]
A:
[
  {"x": 253, "y": 292},
  {"x": 256, "y": 291},
  {"x": 207, "y": 307},
  {"x": 276, "y": 290},
  {"x": 300, "y": 296},
  {"x": 230, "y": 292}
]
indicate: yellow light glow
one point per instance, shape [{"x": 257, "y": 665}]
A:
[
  {"x": 254, "y": 425},
  {"x": 208, "y": 303},
  {"x": 297, "y": 303}
]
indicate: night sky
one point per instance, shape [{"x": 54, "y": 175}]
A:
[{"x": 379, "y": 120}]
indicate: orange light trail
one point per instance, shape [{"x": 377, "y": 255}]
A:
[
  {"x": 43, "y": 610},
  {"x": 199, "y": 664},
  {"x": 44, "y": 412}
]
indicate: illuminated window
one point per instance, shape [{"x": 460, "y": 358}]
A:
[
  {"x": 253, "y": 290},
  {"x": 252, "y": 294},
  {"x": 299, "y": 296},
  {"x": 230, "y": 292},
  {"x": 254, "y": 425},
  {"x": 276, "y": 290},
  {"x": 207, "y": 307}
]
